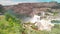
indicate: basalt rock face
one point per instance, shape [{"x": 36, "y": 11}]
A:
[{"x": 33, "y": 8}]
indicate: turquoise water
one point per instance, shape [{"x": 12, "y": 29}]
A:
[{"x": 56, "y": 21}]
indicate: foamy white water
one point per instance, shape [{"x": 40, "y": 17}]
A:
[{"x": 43, "y": 24}]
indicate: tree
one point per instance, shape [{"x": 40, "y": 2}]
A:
[
  {"x": 15, "y": 23},
  {"x": 1, "y": 9}
]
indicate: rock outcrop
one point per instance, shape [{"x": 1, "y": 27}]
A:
[{"x": 33, "y": 8}]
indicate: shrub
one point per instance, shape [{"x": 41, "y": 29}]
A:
[{"x": 11, "y": 25}]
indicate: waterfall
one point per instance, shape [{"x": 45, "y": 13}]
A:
[{"x": 42, "y": 24}]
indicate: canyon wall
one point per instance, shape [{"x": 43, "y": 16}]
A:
[{"x": 33, "y": 8}]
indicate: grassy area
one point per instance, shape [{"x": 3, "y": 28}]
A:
[{"x": 10, "y": 27}]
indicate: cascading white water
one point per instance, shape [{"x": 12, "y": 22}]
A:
[
  {"x": 43, "y": 24},
  {"x": 35, "y": 19}
]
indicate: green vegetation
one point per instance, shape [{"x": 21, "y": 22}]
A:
[{"x": 10, "y": 25}]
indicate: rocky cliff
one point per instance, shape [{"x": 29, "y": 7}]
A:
[{"x": 33, "y": 8}]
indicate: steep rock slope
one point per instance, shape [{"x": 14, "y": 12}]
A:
[{"x": 33, "y": 8}]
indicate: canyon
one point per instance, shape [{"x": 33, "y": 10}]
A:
[
  {"x": 30, "y": 9},
  {"x": 30, "y": 12}
]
